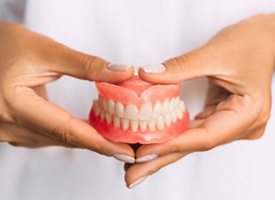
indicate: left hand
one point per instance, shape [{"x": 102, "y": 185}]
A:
[{"x": 238, "y": 62}]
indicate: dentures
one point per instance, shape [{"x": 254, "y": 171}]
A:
[{"x": 136, "y": 111}]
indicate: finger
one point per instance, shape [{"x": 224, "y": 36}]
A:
[
  {"x": 83, "y": 66},
  {"x": 20, "y": 136},
  {"x": 138, "y": 172},
  {"x": 229, "y": 122},
  {"x": 34, "y": 112},
  {"x": 192, "y": 65}
]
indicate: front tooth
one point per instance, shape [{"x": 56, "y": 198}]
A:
[
  {"x": 119, "y": 109},
  {"x": 171, "y": 104},
  {"x": 108, "y": 118},
  {"x": 157, "y": 110},
  {"x": 105, "y": 105},
  {"x": 102, "y": 115},
  {"x": 182, "y": 106},
  {"x": 111, "y": 106},
  {"x": 152, "y": 124},
  {"x": 134, "y": 125},
  {"x": 125, "y": 124},
  {"x": 145, "y": 111},
  {"x": 143, "y": 125},
  {"x": 160, "y": 123},
  {"x": 116, "y": 121},
  {"x": 174, "y": 116},
  {"x": 131, "y": 112},
  {"x": 167, "y": 120},
  {"x": 179, "y": 113}
]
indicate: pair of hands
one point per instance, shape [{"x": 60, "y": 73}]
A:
[{"x": 238, "y": 62}]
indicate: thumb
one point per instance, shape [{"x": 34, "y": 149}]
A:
[
  {"x": 84, "y": 66},
  {"x": 192, "y": 65}
]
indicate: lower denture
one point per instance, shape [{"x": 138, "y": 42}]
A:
[{"x": 136, "y": 111}]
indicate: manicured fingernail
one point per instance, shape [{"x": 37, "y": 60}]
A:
[
  {"x": 137, "y": 182},
  {"x": 124, "y": 158},
  {"x": 159, "y": 68},
  {"x": 147, "y": 158},
  {"x": 118, "y": 67}
]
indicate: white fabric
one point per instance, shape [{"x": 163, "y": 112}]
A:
[{"x": 137, "y": 32}]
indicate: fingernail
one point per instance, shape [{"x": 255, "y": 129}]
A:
[
  {"x": 118, "y": 67},
  {"x": 124, "y": 158},
  {"x": 147, "y": 158},
  {"x": 137, "y": 182},
  {"x": 159, "y": 68}
]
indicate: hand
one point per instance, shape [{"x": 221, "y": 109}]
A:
[
  {"x": 29, "y": 61},
  {"x": 238, "y": 62}
]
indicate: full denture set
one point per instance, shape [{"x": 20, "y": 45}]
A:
[{"x": 136, "y": 111}]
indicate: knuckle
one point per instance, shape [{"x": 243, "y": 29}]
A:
[
  {"x": 87, "y": 63},
  {"x": 63, "y": 132}
]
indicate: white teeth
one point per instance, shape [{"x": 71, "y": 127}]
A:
[
  {"x": 111, "y": 106},
  {"x": 152, "y": 124},
  {"x": 108, "y": 118},
  {"x": 157, "y": 110},
  {"x": 171, "y": 104},
  {"x": 177, "y": 102},
  {"x": 119, "y": 110},
  {"x": 179, "y": 113},
  {"x": 131, "y": 112},
  {"x": 160, "y": 123},
  {"x": 143, "y": 125},
  {"x": 173, "y": 117},
  {"x": 105, "y": 105},
  {"x": 149, "y": 116},
  {"x": 182, "y": 106},
  {"x": 165, "y": 106},
  {"x": 102, "y": 115},
  {"x": 116, "y": 121},
  {"x": 145, "y": 111},
  {"x": 96, "y": 107},
  {"x": 167, "y": 120},
  {"x": 134, "y": 125},
  {"x": 125, "y": 124}
]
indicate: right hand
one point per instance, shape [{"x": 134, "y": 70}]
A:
[{"x": 28, "y": 61}]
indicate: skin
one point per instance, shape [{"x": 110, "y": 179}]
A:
[
  {"x": 238, "y": 62},
  {"x": 28, "y": 61}
]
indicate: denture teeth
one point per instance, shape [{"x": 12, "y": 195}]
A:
[
  {"x": 102, "y": 115},
  {"x": 177, "y": 102},
  {"x": 179, "y": 113},
  {"x": 171, "y": 104},
  {"x": 145, "y": 111},
  {"x": 167, "y": 120},
  {"x": 134, "y": 125},
  {"x": 157, "y": 109},
  {"x": 116, "y": 121},
  {"x": 131, "y": 112},
  {"x": 152, "y": 124},
  {"x": 143, "y": 125},
  {"x": 105, "y": 105},
  {"x": 108, "y": 118},
  {"x": 125, "y": 124},
  {"x": 173, "y": 117},
  {"x": 165, "y": 106},
  {"x": 96, "y": 107},
  {"x": 160, "y": 123},
  {"x": 111, "y": 106},
  {"x": 182, "y": 106},
  {"x": 119, "y": 109}
]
